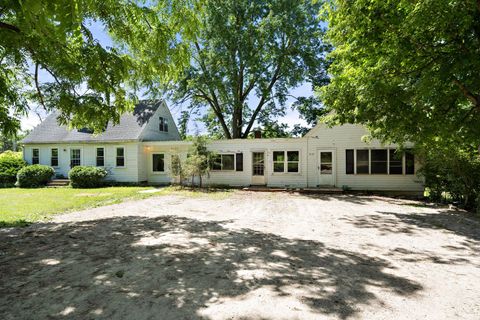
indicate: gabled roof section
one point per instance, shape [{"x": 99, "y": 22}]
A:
[{"x": 129, "y": 128}]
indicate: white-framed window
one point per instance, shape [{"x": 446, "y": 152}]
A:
[
  {"x": 35, "y": 156},
  {"x": 379, "y": 161},
  {"x": 286, "y": 161},
  {"x": 223, "y": 162},
  {"x": 158, "y": 162},
  {"x": 120, "y": 157},
  {"x": 100, "y": 157},
  {"x": 163, "y": 124},
  {"x": 75, "y": 157},
  {"x": 54, "y": 157}
]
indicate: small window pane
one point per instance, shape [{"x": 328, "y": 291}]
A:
[
  {"x": 35, "y": 156},
  {"x": 120, "y": 162},
  {"x": 228, "y": 162},
  {"x": 54, "y": 158},
  {"x": 278, "y": 167},
  {"x": 120, "y": 152},
  {"x": 100, "y": 152},
  {"x": 278, "y": 156},
  {"x": 362, "y": 161},
  {"x": 326, "y": 168},
  {"x": 379, "y": 161},
  {"x": 326, "y": 157},
  {"x": 350, "y": 162},
  {"x": 158, "y": 162},
  {"x": 216, "y": 163},
  {"x": 409, "y": 162},
  {"x": 239, "y": 160},
  {"x": 293, "y": 156},
  {"x": 292, "y": 167},
  {"x": 396, "y": 166}
]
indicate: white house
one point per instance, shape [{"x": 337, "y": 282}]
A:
[{"x": 140, "y": 149}]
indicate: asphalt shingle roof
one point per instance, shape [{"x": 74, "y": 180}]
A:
[{"x": 129, "y": 128}]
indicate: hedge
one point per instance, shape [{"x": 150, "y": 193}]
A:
[
  {"x": 34, "y": 176},
  {"x": 10, "y": 163},
  {"x": 87, "y": 177}
]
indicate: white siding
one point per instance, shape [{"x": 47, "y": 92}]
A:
[
  {"x": 88, "y": 158},
  {"x": 151, "y": 131},
  {"x": 349, "y": 136}
]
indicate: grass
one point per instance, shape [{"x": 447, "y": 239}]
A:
[{"x": 21, "y": 207}]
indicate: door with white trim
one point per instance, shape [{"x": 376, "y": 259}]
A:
[
  {"x": 326, "y": 167},
  {"x": 258, "y": 168}
]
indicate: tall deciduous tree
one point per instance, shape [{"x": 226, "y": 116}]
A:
[
  {"x": 409, "y": 70},
  {"x": 86, "y": 82},
  {"x": 246, "y": 57}
]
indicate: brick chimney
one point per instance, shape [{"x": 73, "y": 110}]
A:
[{"x": 257, "y": 134}]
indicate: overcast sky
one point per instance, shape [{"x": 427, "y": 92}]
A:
[{"x": 99, "y": 33}]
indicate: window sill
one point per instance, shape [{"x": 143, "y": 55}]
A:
[{"x": 159, "y": 172}]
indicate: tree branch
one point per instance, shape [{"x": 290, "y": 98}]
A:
[
  {"x": 467, "y": 93},
  {"x": 37, "y": 85},
  {"x": 7, "y": 26},
  {"x": 263, "y": 100}
]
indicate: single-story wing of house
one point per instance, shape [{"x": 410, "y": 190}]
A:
[{"x": 140, "y": 147}]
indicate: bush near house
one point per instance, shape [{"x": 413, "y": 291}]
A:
[
  {"x": 87, "y": 177},
  {"x": 34, "y": 176},
  {"x": 10, "y": 163},
  {"x": 453, "y": 175}
]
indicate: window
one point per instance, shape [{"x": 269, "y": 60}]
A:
[
  {"x": 286, "y": 161},
  {"x": 158, "y": 162},
  {"x": 395, "y": 158},
  {"x": 54, "y": 157},
  {"x": 100, "y": 158},
  {"x": 379, "y": 161},
  {"x": 35, "y": 156},
  {"x": 350, "y": 162},
  {"x": 120, "y": 159},
  {"x": 293, "y": 159},
  {"x": 163, "y": 124},
  {"x": 278, "y": 161},
  {"x": 75, "y": 157},
  {"x": 409, "y": 162},
  {"x": 326, "y": 162},
  {"x": 239, "y": 161},
  {"x": 223, "y": 162},
  {"x": 362, "y": 162}
]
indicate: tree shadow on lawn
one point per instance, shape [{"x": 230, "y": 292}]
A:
[{"x": 176, "y": 268}]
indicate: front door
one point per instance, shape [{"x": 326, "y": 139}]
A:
[
  {"x": 326, "y": 168},
  {"x": 258, "y": 168}
]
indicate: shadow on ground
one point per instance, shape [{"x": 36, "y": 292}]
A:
[{"x": 175, "y": 268}]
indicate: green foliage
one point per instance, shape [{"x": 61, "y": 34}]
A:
[
  {"x": 34, "y": 176},
  {"x": 452, "y": 174},
  {"x": 49, "y": 56},
  {"x": 177, "y": 167},
  {"x": 197, "y": 163},
  {"x": 86, "y": 177},
  {"x": 246, "y": 58},
  {"x": 10, "y": 163},
  {"x": 409, "y": 70}
]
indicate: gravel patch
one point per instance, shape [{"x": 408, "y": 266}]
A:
[{"x": 252, "y": 255}]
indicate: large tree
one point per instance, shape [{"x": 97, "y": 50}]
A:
[
  {"x": 50, "y": 58},
  {"x": 246, "y": 57},
  {"x": 409, "y": 70}
]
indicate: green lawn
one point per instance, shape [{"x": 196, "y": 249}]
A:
[{"x": 21, "y": 206}]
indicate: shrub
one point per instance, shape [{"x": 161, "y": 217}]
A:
[
  {"x": 453, "y": 175},
  {"x": 87, "y": 177},
  {"x": 10, "y": 163},
  {"x": 34, "y": 176}
]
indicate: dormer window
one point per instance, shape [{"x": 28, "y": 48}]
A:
[{"x": 163, "y": 126}]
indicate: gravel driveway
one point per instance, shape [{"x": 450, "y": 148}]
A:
[{"x": 247, "y": 256}]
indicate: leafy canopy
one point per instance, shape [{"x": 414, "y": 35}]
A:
[
  {"x": 245, "y": 58},
  {"x": 88, "y": 83},
  {"x": 409, "y": 70}
]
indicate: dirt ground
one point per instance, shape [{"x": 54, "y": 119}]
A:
[{"x": 249, "y": 256}]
